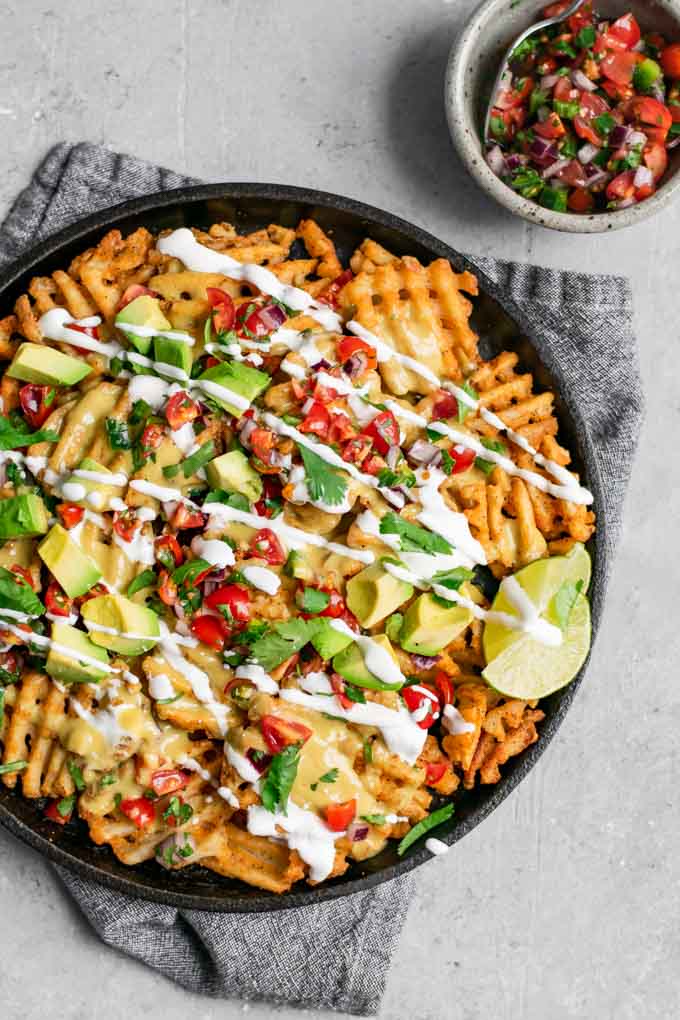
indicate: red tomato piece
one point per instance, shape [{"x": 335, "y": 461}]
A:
[
  {"x": 383, "y": 431},
  {"x": 271, "y": 491},
  {"x": 515, "y": 96},
  {"x": 434, "y": 771},
  {"x": 139, "y": 810},
  {"x": 423, "y": 703},
  {"x": 317, "y": 420},
  {"x": 336, "y": 606},
  {"x": 167, "y": 589},
  {"x": 260, "y": 321},
  {"x": 445, "y": 406},
  {"x": 444, "y": 685},
  {"x": 262, "y": 442},
  {"x": 373, "y": 465},
  {"x": 650, "y": 111},
  {"x": 565, "y": 92},
  {"x": 350, "y": 347},
  {"x": 618, "y": 67},
  {"x": 463, "y": 458},
  {"x": 211, "y": 630},
  {"x": 627, "y": 30},
  {"x": 656, "y": 159},
  {"x": 340, "y": 429},
  {"x": 550, "y": 128},
  {"x": 234, "y": 598},
  {"x": 126, "y": 524},
  {"x": 165, "y": 781},
  {"x": 356, "y": 450},
  {"x": 331, "y": 293},
  {"x": 185, "y": 517},
  {"x": 670, "y": 61},
  {"x": 338, "y": 688},
  {"x": 580, "y": 200},
  {"x": 23, "y": 574},
  {"x": 169, "y": 552},
  {"x": 223, "y": 309},
  {"x": 180, "y": 409},
  {"x": 135, "y": 290},
  {"x": 151, "y": 439},
  {"x": 279, "y": 732},
  {"x": 622, "y": 186},
  {"x": 57, "y": 601},
  {"x": 70, "y": 514},
  {"x": 339, "y": 816},
  {"x": 573, "y": 174},
  {"x": 266, "y": 546},
  {"x": 36, "y": 403},
  {"x": 54, "y": 815}
]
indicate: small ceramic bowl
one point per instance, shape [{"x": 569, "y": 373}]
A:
[{"x": 473, "y": 65}]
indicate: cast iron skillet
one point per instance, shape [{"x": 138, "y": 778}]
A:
[{"x": 501, "y": 325}]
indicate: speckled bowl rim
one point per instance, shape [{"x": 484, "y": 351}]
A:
[
  {"x": 466, "y": 135},
  {"x": 173, "y": 208}
]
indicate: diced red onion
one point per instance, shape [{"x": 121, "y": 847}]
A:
[
  {"x": 425, "y": 661},
  {"x": 643, "y": 177},
  {"x": 496, "y": 160},
  {"x": 587, "y": 153},
  {"x": 276, "y": 459},
  {"x": 582, "y": 81},
  {"x": 395, "y": 497},
  {"x": 322, "y": 366},
  {"x": 272, "y": 316},
  {"x": 555, "y": 168},
  {"x": 657, "y": 91},
  {"x": 549, "y": 81},
  {"x": 597, "y": 177},
  {"x": 308, "y": 405},
  {"x": 543, "y": 152},
  {"x": 169, "y": 508},
  {"x": 356, "y": 831},
  {"x": 515, "y": 160},
  {"x": 423, "y": 452},
  {"x": 619, "y": 136},
  {"x": 674, "y": 144},
  {"x": 178, "y": 841},
  {"x": 637, "y": 138},
  {"x": 392, "y": 457},
  {"x": 246, "y": 431},
  {"x": 179, "y": 611},
  {"x": 356, "y": 365},
  {"x": 259, "y": 762}
]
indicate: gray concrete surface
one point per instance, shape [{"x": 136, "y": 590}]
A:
[{"x": 564, "y": 904}]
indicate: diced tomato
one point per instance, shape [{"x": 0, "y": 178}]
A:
[
  {"x": 54, "y": 815},
  {"x": 550, "y": 128},
  {"x": 223, "y": 309},
  {"x": 656, "y": 158},
  {"x": 340, "y": 429},
  {"x": 580, "y": 200},
  {"x": 260, "y": 321},
  {"x": 356, "y": 450},
  {"x": 91, "y": 331},
  {"x": 279, "y": 732},
  {"x": 627, "y": 30},
  {"x": 555, "y": 10},
  {"x": 573, "y": 174},
  {"x": 135, "y": 290},
  {"x": 266, "y": 546},
  {"x": 330, "y": 295},
  {"x": 339, "y": 816},
  {"x": 336, "y": 606},
  {"x": 211, "y": 630},
  {"x": 434, "y": 771},
  {"x": 373, "y": 465},
  {"x": 546, "y": 65},
  {"x": 271, "y": 492},
  {"x": 37, "y": 403},
  {"x": 70, "y": 514},
  {"x": 139, "y": 810},
  {"x": 167, "y": 589},
  {"x": 169, "y": 552},
  {"x": 180, "y": 409},
  {"x": 670, "y": 61},
  {"x": 618, "y": 67},
  {"x": 584, "y": 16},
  {"x": 262, "y": 442},
  {"x": 24, "y": 574},
  {"x": 317, "y": 420},
  {"x": 166, "y": 781},
  {"x": 422, "y": 702},
  {"x": 444, "y": 685},
  {"x": 57, "y": 601},
  {"x": 233, "y": 598},
  {"x": 350, "y": 347},
  {"x": 151, "y": 439},
  {"x": 622, "y": 186},
  {"x": 383, "y": 431},
  {"x": 619, "y": 93},
  {"x": 338, "y": 688},
  {"x": 515, "y": 96},
  {"x": 591, "y": 106},
  {"x": 513, "y": 120},
  {"x": 185, "y": 517},
  {"x": 210, "y": 362},
  {"x": 445, "y": 406},
  {"x": 463, "y": 458},
  {"x": 648, "y": 111},
  {"x": 126, "y": 524},
  {"x": 565, "y": 92}
]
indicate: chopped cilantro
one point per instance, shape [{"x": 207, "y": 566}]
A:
[
  {"x": 586, "y": 37},
  {"x": 280, "y": 778},
  {"x": 374, "y": 819},
  {"x": 413, "y": 538},
  {"x": 192, "y": 463},
  {"x": 66, "y": 805},
  {"x": 15, "y": 433},
  {"x": 118, "y": 435},
  {"x": 17, "y": 594},
  {"x": 354, "y": 694},
  {"x": 604, "y": 124},
  {"x": 314, "y": 601},
  {"x": 146, "y": 579},
  {"x": 327, "y": 777},
  {"x": 234, "y": 499},
  {"x": 282, "y": 641},
  {"x": 325, "y": 485},
  {"x": 487, "y": 466},
  {"x": 426, "y": 825},
  {"x": 178, "y": 810},
  {"x": 76, "y": 775}
]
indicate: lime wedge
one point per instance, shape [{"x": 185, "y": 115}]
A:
[
  {"x": 528, "y": 669},
  {"x": 541, "y": 581}
]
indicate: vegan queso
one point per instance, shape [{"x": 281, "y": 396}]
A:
[{"x": 285, "y": 562}]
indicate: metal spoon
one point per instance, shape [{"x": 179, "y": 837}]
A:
[{"x": 538, "y": 27}]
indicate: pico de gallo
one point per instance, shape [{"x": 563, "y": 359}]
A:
[{"x": 587, "y": 113}]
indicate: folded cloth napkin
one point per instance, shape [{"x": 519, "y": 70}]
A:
[{"x": 336, "y": 955}]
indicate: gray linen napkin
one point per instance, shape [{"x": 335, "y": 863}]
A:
[{"x": 336, "y": 955}]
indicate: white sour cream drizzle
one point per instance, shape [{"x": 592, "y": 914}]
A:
[
  {"x": 262, "y": 579},
  {"x": 102, "y": 629},
  {"x": 161, "y": 687},
  {"x": 305, "y": 832},
  {"x": 454, "y": 722},
  {"x": 214, "y": 551},
  {"x": 199, "y": 681},
  {"x": 253, "y": 672},
  {"x": 242, "y": 765},
  {"x": 63, "y": 650},
  {"x": 55, "y": 325},
  {"x": 147, "y": 331},
  {"x": 436, "y": 846},
  {"x": 378, "y": 660}
]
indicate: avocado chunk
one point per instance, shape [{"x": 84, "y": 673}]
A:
[
  {"x": 298, "y": 567},
  {"x": 104, "y": 493},
  {"x": 238, "y": 378},
  {"x": 374, "y": 594},
  {"x": 144, "y": 311},
  {"x": 351, "y": 665},
  {"x": 37, "y": 363},
  {"x": 115, "y": 612},
  {"x": 22, "y": 516},
  {"x": 328, "y": 641},
  {"x": 429, "y": 626},
  {"x": 173, "y": 352},
  {"x": 72, "y": 665},
  {"x": 232, "y": 472},
  {"x": 73, "y": 569}
]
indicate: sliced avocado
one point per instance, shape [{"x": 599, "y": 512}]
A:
[
  {"x": 22, "y": 516},
  {"x": 374, "y": 594},
  {"x": 173, "y": 352},
  {"x": 328, "y": 641},
  {"x": 429, "y": 626},
  {"x": 298, "y": 567},
  {"x": 105, "y": 492},
  {"x": 350, "y": 664},
  {"x": 232, "y": 472},
  {"x": 73, "y": 569},
  {"x": 239, "y": 378},
  {"x": 145, "y": 311},
  {"x": 120, "y": 614},
  {"x": 72, "y": 669},
  {"x": 40, "y": 364}
]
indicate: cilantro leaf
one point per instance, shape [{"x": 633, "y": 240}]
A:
[
  {"x": 374, "y": 819},
  {"x": 117, "y": 432},
  {"x": 143, "y": 580},
  {"x": 15, "y": 434},
  {"x": 280, "y": 778},
  {"x": 314, "y": 601},
  {"x": 453, "y": 578},
  {"x": 17, "y": 594},
  {"x": 234, "y": 499},
  {"x": 282, "y": 641},
  {"x": 76, "y": 775},
  {"x": 487, "y": 466},
  {"x": 325, "y": 485},
  {"x": 464, "y": 409},
  {"x": 327, "y": 777},
  {"x": 426, "y": 825},
  {"x": 354, "y": 694},
  {"x": 192, "y": 463},
  {"x": 413, "y": 537},
  {"x": 565, "y": 600}
]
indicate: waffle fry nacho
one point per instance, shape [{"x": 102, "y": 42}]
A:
[{"x": 285, "y": 564}]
